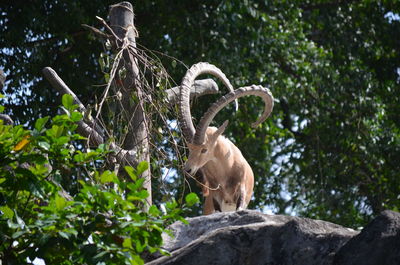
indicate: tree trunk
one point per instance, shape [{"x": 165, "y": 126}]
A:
[{"x": 121, "y": 19}]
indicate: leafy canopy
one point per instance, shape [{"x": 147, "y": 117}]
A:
[
  {"x": 97, "y": 219},
  {"x": 331, "y": 147}
]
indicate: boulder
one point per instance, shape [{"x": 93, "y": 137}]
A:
[
  {"x": 378, "y": 243},
  {"x": 250, "y": 237}
]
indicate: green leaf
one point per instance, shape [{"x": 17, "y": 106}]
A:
[
  {"x": 191, "y": 199},
  {"x": 79, "y": 157},
  {"x": 143, "y": 194},
  {"x": 171, "y": 205},
  {"x": 173, "y": 63},
  {"x": 39, "y": 124},
  {"x": 67, "y": 101},
  {"x": 20, "y": 222},
  {"x": 136, "y": 185},
  {"x": 62, "y": 140},
  {"x": 101, "y": 254},
  {"x": 60, "y": 202},
  {"x": 63, "y": 234},
  {"x": 131, "y": 172},
  {"x": 107, "y": 77},
  {"x": 138, "y": 196},
  {"x": 7, "y": 212},
  {"x": 18, "y": 234},
  {"x": 107, "y": 176},
  {"x": 44, "y": 145},
  {"x": 59, "y": 130},
  {"x": 127, "y": 243},
  {"x": 76, "y": 116},
  {"x": 142, "y": 167},
  {"x": 154, "y": 211}
]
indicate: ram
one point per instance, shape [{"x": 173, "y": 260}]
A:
[{"x": 228, "y": 179}]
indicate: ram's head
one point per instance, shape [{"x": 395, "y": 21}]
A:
[{"x": 202, "y": 141}]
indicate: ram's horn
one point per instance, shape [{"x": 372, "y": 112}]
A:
[
  {"x": 185, "y": 117},
  {"x": 254, "y": 90}
]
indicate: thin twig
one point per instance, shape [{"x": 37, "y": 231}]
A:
[
  {"x": 112, "y": 75},
  {"x": 97, "y": 32},
  {"x": 203, "y": 185},
  {"x": 109, "y": 29}
]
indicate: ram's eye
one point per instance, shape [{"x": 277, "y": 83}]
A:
[{"x": 203, "y": 150}]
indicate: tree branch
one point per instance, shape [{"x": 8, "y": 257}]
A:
[
  {"x": 6, "y": 119},
  {"x": 97, "y": 32},
  {"x": 200, "y": 88},
  {"x": 57, "y": 83},
  {"x": 2, "y": 78},
  {"x": 95, "y": 137}
]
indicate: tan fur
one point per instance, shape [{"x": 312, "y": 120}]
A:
[{"x": 224, "y": 169}]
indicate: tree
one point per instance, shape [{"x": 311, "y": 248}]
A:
[
  {"x": 328, "y": 150},
  {"x": 101, "y": 220}
]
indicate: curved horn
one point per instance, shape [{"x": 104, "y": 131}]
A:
[
  {"x": 185, "y": 117},
  {"x": 260, "y": 91}
]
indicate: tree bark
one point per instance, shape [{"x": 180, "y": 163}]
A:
[
  {"x": 121, "y": 21},
  {"x": 2, "y": 79}
]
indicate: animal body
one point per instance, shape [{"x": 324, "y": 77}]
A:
[
  {"x": 225, "y": 170},
  {"x": 228, "y": 179}
]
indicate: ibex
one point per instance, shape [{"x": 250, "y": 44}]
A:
[{"x": 228, "y": 179}]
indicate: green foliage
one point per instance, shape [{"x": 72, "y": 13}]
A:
[
  {"x": 331, "y": 146},
  {"x": 101, "y": 222}
]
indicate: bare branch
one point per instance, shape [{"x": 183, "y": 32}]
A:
[
  {"x": 95, "y": 136},
  {"x": 200, "y": 88},
  {"x": 96, "y": 32},
  {"x": 109, "y": 29},
  {"x": 57, "y": 83},
  {"x": 2, "y": 78},
  {"x": 6, "y": 119},
  {"x": 86, "y": 130},
  {"x": 62, "y": 88}
]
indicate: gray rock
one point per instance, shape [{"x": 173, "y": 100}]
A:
[
  {"x": 378, "y": 243},
  {"x": 250, "y": 237}
]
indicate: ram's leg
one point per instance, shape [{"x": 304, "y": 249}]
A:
[
  {"x": 208, "y": 207},
  {"x": 205, "y": 188},
  {"x": 217, "y": 206},
  {"x": 241, "y": 202}
]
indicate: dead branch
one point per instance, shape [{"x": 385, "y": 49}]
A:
[
  {"x": 2, "y": 78},
  {"x": 97, "y": 32},
  {"x": 57, "y": 83},
  {"x": 95, "y": 136},
  {"x": 200, "y": 88},
  {"x": 6, "y": 119}
]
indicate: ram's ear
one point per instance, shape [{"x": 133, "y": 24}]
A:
[{"x": 220, "y": 130}]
